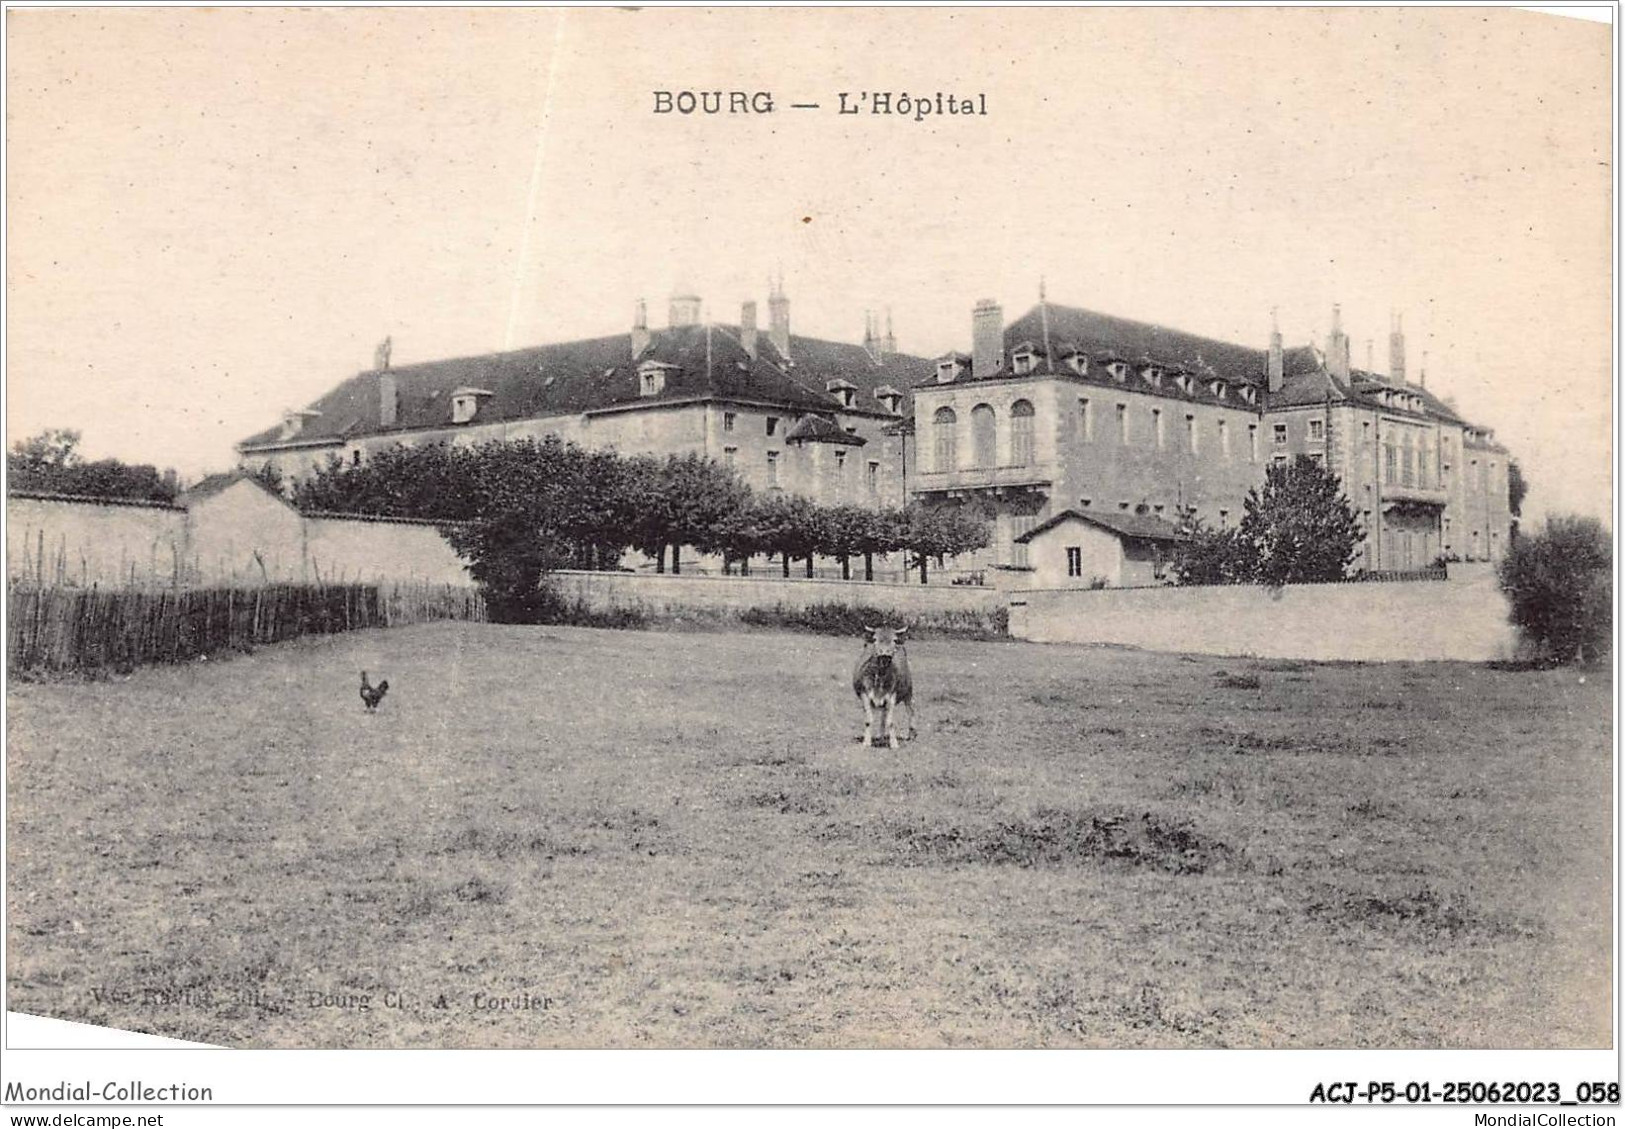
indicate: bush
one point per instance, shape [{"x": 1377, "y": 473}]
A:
[{"x": 1560, "y": 583}]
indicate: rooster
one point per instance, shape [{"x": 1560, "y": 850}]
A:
[{"x": 371, "y": 695}]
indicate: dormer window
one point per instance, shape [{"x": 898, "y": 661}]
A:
[
  {"x": 844, "y": 391},
  {"x": 1219, "y": 389},
  {"x": 1078, "y": 363},
  {"x": 890, "y": 398},
  {"x": 1152, "y": 375},
  {"x": 1023, "y": 360},
  {"x": 465, "y": 403},
  {"x": 1119, "y": 371},
  {"x": 950, "y": 367},
  {"x": 1183, "y": 380},
  {"x": 652, "y": 378},
  {"x": 1249, "y": 393},
  {"x": 293, "y": 422}
]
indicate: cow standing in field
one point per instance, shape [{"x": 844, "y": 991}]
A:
[{"x": 882, "y": 679}]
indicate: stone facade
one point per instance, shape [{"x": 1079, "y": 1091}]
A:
[{"x": 1061, "y": 409}]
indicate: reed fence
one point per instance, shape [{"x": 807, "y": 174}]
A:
[{"x": 79, "y": 629}]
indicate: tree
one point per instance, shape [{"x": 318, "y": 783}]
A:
[
  {"x": 268, "y": 475},
  {"x": 1560, "y": 584},
  {"x": 533, "y": 502},
  {"x": 1517, "y": 488},
  {"x": 941, "y": 531},
  {"x": 53, "y": 447},
  {"x": 50, "y": 463},
  {"x": 784, "y": 524},
  {"x": 435, "y": 481},
  {"x": 701, "y": 497},
  {"x": 1212, "y": 556},
  {"x": 1299, "y": 528},
  {"x": 845, "y": 532}
]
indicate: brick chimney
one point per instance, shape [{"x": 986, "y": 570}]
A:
[
  {"x": 1337, "y": 346},
  {"x": 640, "y": 329},
  {"x": 389, "y": 399},
  {"x": 778, "y": 319},
  {"x": 685, "y": 309},
  {"x": 1277, "y": 361},
  {"x": 987, "y": 338},
  {"x": 747, "y": 328},
  {"x": 1396, "y": 348}
]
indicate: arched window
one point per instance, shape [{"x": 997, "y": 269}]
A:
[
  {"x": 1021, "y": 433},
  {"x": 945, "y": 429},
  {"x": 984, "y": 436}
]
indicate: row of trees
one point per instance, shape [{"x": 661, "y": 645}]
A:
[
  {"x": 50, "y": 462},
  {"x": 517, "y": 510}
]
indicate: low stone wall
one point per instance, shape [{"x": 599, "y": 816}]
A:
[
  {"x": 666, "y": 594},
  {"x": 80, "y": 542},
  {"x": 241, "y": 539},
  {"x": 1463, "y": 619},
  {"x": 351, "y": 548}
]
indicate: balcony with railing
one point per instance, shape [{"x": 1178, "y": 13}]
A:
[
  {"x": 1414, "y": 495},
  {"x": 982, "y": 478}
]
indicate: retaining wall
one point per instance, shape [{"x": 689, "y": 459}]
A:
[
  {"x": 1464, "y": 619},
  {"x": 664, "y": 594}
]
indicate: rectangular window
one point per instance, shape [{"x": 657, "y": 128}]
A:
[
  {"x": 1190, "y": 433},
  {"x": 1390, "y": 463},
  {"x": 1319, "y": 457},
  {"x": 1084, "y": 423},
  {"x": 1224, "y": 439},
  {"x": 772, "y": 424},
  {"x": 1317, "y": 430},
  {"x": 730, "y": 457},
  {"x": 1122, "y": 423},
  {"x": 1224, "y": 519},
  {"x": 840, "y": 472},
  {"x": 1156, "y": 425},
  {"x": 1252, "y": 442},
  {"x": 874, "y": 479},
  {"x": 772, "y": 468},
  {"x": 1278, "y": 460},
  {"x": 1280, "y": 434},
  {"x": 1074, "y": 560},
  {"x": 1019, "y": 525},
  {"x": 728, "y": 421},
  {"x": 1365, "y": 433},
  {"x": 355, "y": 457}
]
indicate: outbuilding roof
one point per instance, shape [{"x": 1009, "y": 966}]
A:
[{"x": 1143, "y": 527}]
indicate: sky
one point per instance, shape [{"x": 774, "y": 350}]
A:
[{"x": 214, "y": 215}]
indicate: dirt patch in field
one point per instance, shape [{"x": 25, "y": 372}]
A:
[
  {"x": 1423, "y": 910},
  {"x": 1059, "y": 838}
]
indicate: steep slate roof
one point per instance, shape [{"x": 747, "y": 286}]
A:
[
  {"x": 1145, "y": 527},
  {"x": 817, "y": 429},
  {"x": 601, "y": 374},
  {"x": 1104, "y": 338},
  {"x": 1096, "y": 334}
]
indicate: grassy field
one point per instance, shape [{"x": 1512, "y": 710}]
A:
[{"x": 566, "y": 837}]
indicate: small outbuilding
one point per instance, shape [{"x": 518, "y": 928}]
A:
[{"x": 1085, "y": 549}]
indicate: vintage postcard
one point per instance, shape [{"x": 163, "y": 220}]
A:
[{"x": 810, "y": 529}]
